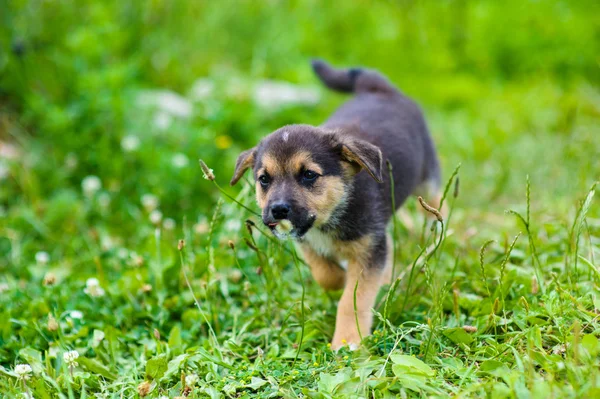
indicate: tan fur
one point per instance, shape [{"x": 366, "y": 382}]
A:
[
  {"x": 324, "y": 203},
  {"x": 261, "y": 198},
  {"x": 328, "y": 274},
  {"x": 245, "y": 161},
  {"x": 366, "y": 281},
  {"x": 271, "y": 165}
]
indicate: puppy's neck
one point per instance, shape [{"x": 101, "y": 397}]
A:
[{"x": 332, "y": 225}]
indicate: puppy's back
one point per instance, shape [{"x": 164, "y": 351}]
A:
[{"x": 387, "y": 119}]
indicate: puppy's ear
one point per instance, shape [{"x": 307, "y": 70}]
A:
[
  {"x": 363, "y": 155},
  {"x": 245, "y": 160}
]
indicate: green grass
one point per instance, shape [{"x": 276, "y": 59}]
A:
[{"x": 504, "y": 304}]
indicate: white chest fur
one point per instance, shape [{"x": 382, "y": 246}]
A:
[{"x": 324, "y": 245}]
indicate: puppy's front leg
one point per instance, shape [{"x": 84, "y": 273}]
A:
[
  {"x": 370, "y": 275},
  {"x": 326, "y": 272}
]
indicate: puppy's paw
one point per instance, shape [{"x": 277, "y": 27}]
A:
[{"x": 351, "y": 340}]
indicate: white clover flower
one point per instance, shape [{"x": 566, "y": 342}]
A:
[
  {"x": 130, "y": 143},
  {"x": 9, "y": 151},
  {"x": 201, "y": 227},
  {"x": 232, "y": 225},
  {"x": 122, "y": 253},
  {"x": 163, "y": 397},
  {"x": 23, "y": 371},
  {"x": 191, "y": 380},
  {"x": 162, "y": 120},
  {"x": 180, "y": 160},
  {"x": 4, "y": 287},
  {"x": 149, "y": 202},
  {"x": 271, "y": 94},
  {"x": 169, "y": 224},
  {"x": 174, "y": 104},
  {"x": 76, "y": 314},
  {"x": 92, "y": 288},
  {"x": 156, "y": 217},
  {"x": 70, "y": 358},
  {"x": 202, "y": 89},
  {"x": 90, "y": 185},
  {"x": 42, "y": 257}
]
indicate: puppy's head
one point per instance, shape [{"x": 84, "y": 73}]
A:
[{"x": 303, "y": 174}]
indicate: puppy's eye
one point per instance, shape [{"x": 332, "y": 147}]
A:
[
  {"x": 264, "y": 180},
  {"x": 309, "y": 176}
]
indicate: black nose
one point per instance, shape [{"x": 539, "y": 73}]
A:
[{"x": 280, "y": 210}]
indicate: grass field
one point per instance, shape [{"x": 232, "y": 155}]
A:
[{"x": 106, "y": 108}]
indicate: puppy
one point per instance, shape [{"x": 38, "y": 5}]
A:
[{"x": 328, "y": 187}]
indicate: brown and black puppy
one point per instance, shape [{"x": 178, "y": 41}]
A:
[{"x": 328, "y": 187}]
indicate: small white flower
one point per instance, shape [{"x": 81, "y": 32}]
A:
[
  {"x": 90, "y": 185},
  {"x": 201, "y": 227},
  {"x": 162, "y": 120},
  {"x": 70, "y": 357},
  {"x": 156, "y": 216},
  {"x": 169, "y": 224},
  {"x": 233, "y": 225},
  {"x": 9, "y": 151},
  {"x": 180, "y": 160},
  {"x": 168, "y": 102},
  {"x": 76, "y": 314},
  {"x": 4, "y": 287},
  {"x": 191, "y": 380},
  {"x": 122, "y": 253},
  {"x": 149, "y": 202},
  {"x": 130, "y": 143},
  {"x": 164, "y": 397},
  {"x": 92, "y": 288},
  {"x": 23, "y": 371},
  {"x": 42, "y": 257},
  {"x": 202, "y": 89},
  {"x": 271, "y": 94}
]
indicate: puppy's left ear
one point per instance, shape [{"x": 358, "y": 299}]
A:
[
  {"x": 245, "y": 160},
  {"x": 364, "y": 155}
]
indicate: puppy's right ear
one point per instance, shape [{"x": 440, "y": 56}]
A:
[{"x": 244, "y": 161}]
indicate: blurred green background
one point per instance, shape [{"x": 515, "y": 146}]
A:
[
  {"x": 135, "y": 92},
  {"x": 106, "y": 107}
]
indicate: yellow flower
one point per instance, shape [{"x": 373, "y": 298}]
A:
[
  {"x": 329, "y": 345},
  {"x": 315, "y": 364},
  {"x": 223, "y": 142},
  {"x": 344, "y": 342}
]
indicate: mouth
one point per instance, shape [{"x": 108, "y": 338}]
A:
[
  {"x": 282, "y": 228},
  {"x": 285, "y": 229}
]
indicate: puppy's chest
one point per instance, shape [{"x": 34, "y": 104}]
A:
[
  {"x": 341, "y": 251},
  {"x": 322, "y": 243}
]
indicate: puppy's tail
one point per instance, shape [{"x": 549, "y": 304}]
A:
[{"x": 352, "y": 80}]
